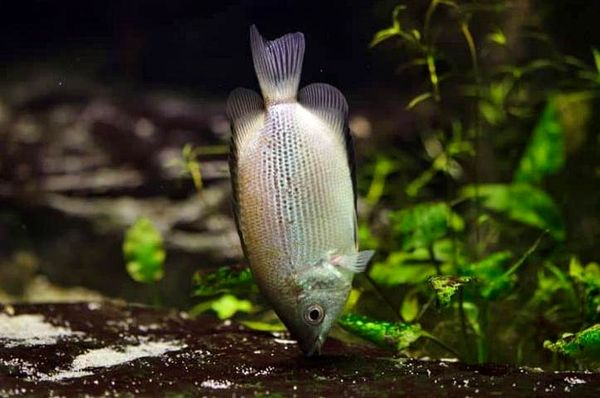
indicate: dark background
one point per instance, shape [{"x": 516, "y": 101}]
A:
[
  {"x": 190, "y": 43},
  {"x": 203, "y": 45}
]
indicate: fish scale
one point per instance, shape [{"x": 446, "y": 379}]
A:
[{"x": 307, "y": 212}]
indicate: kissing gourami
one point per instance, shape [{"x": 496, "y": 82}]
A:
[{"x": 292, "y": 172}]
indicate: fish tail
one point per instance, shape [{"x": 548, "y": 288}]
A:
[{"x": 278, "y": 64}]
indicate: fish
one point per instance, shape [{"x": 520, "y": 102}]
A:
[{"x": 294, "y": 190}]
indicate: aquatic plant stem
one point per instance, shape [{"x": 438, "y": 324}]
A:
[
  {"x": 383, "y": 296},
  {"x": 433, "y": 77},
  {"x": 425, "y": 308},
  {"x": 429, "y": 53},
  {"x": 156, "y": 297},
  {"x": 525, "y": 255},
  {"x": 435, "y": 262},
  {"x": 464, "y": 27},
  {"x": 463, "y": 320},
  {"x": 383, "y": 167},
  {"x": 482, "y": 341}
]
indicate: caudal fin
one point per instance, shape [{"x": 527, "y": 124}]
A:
[{"x": 278, "y": 64}]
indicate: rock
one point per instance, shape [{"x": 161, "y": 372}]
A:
[{"x": 114, "y": 349}]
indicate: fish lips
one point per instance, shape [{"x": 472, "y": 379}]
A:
[{"x": 314, "y": 349}]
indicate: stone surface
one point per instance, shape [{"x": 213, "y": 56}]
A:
[{"x": 113, "y": 349}]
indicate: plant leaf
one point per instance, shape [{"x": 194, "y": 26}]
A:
[
  {"x": 394, "y": 30},
  {"x": 582, "y": 345},
  {"x": 413, "y": 267},
  {"x": 491, "y": 274},
  {"x": 392, "y": 273},
  {"x": 398, "y": 336},
  {"x": 550, "y": 281},
  {"x": 423, "y": 224},
  {"x": 445, "y": 287},
  {"x": 224, "y": 280},
  {"x": 588, "y": 278},
  {"x": 225, "y": 306},
  {"x": 410, "y": 306},
  {"x": 262, "y": 326},
  {"x": 596, "y": 55},
  {"x": 498, "y": 37},
  {"x": 545, "y": 153},
  {"x": 418, "y": 99},
  {"x": 143, "y": 252},
  {"x": 520, "y": 202}
]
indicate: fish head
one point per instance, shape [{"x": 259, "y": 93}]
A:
[
  {"x": 321, "y": 298},
  {"x": 318, "y": 311}
]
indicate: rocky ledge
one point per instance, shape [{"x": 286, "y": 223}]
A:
[{"x": 115, "y": 349}]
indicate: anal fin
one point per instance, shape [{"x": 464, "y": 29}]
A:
[{"x": 245, "y": 110}]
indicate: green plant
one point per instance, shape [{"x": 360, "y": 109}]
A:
[
  {"x": 452, "y": 246},
  {"x": 144, "y": 252}
]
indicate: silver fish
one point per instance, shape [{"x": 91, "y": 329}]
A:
[{"x": 292, "y": 174}]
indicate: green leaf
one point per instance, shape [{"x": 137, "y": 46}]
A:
[
  {"x": 228, "y": 305},
  {"x": 472, "y": 315},
  {"x": 418, "y": 99},
  {"x": 445, "y": 287},
  {"x": 575, "y": 112},
  {"x": 582, "y": 345},
  {"x": 262, "y": 326},
  {"x": 143, "y": 252},
  {"x": 596, "y": 55},
  {"x": 410, "y": 306},
  {"x": 392, "y": 31},
  {"x": 589, "y": 275},
  {"x": 498, "y": 37},
  {"x": 415, "y": 186},
  {"x": 550, "y": 281},
  {"x": 366, "y": 238},
  {"x": 224, "y": 280},
  {"x": 495, "y": 281},
  {"x": 588, "y": 278},
  {"x": 520, "y": 202},
  {"x": 421, "y": 225},
  {"x": 545, "y": 153},
  {"x": 492, "y": 276},
  {"x": 352, "y": 300},
  {"x": 412, "y": 267},
  {"x": 392, "y": 273},
  {"x": 383, "y": 167},
  {"x": 225, "y": 306},
  {"x": 398, "y": 336}
]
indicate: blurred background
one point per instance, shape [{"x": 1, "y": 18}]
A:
[
  {"x": 113, "y": 111},
  {"x": 98, "y": 100}
]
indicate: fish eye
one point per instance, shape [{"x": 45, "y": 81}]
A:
[{"x": 314, "y": 314}]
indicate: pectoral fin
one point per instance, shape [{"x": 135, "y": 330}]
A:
[{"x": 356, "y": 263}]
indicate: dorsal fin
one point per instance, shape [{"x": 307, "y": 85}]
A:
[{"x": 328, "y": 103}]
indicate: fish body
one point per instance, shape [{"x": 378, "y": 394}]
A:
[{"x": 292, "y": 177}]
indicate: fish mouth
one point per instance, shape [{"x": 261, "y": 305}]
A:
[{"x": 315, "y": 349}]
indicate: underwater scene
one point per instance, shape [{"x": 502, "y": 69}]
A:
[{"x": 300, "y": 198}]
